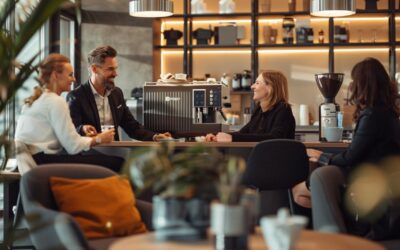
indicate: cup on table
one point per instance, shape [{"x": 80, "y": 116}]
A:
[
  {"x": 282, "y": 235},
  {"x": 333, "y": 134},
  {"x": 106, "y": 127}
]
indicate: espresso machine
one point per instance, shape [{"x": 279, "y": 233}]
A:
[
  {"x": 187, "y": 109},
  {"x": 329, "y": 85}
]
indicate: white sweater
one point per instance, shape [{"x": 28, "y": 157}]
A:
[{"x": 47, "y": 127}]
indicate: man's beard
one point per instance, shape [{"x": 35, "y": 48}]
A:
[{"x": 108, "y": 84}]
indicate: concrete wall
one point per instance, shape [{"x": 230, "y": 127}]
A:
[{"x": 132, "y": 39}]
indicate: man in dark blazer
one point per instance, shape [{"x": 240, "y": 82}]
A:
[{"x": 99, "y": 102}]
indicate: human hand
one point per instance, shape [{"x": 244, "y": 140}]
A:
[
  {"x": 223, "y": 137},
  {"x": 162, "y": 136},
  {"x": 210, "y": 138},
  {"x": 302, "y": 195},
  {"x": 106, "y": 136},
  {"x": 313, "y": 154},
  {"x": 89, "y": 130}
]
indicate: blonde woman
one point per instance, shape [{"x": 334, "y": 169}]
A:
[
  {"x": 45, "y": 124},
  {"x": 272, "y": 118}
]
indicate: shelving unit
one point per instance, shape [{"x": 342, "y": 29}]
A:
[{"x": 297, "y": 61}]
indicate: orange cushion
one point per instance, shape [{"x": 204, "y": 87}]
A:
[{"x": 102, "y": 207}]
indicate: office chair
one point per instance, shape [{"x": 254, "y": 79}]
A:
[
  {"x": 52, "y": 229},
  {"x": 275, "y": 165}
]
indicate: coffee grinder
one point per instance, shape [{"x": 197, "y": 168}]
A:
[{"x": 329, "y": 85}]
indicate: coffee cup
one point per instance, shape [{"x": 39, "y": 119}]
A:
[
  {"x": 333, "y": 134},
  {"x": 106, "y": 127},
  {"x": 282, "y": 232}
]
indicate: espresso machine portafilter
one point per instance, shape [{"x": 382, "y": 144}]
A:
[{"x": 329, "y": 85}]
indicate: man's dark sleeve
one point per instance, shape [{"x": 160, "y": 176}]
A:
[
  {"x": 132, "y": 127},
  {"x": 75, "y": 111}
]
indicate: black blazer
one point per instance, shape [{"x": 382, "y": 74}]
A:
[
  {"x": 83, "y": 111},
  {"x": 377, "y": 135}
]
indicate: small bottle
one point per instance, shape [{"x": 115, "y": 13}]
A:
[{"x": 321, "y": 36}]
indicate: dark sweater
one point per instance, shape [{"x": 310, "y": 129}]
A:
[
  {"x": 377, "y": 135},
  {"x": 276, "y": 123}
]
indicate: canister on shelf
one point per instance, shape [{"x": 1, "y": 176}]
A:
[
  {"x": 236, "y": 81},
  {"x": 246, "y": 80}
]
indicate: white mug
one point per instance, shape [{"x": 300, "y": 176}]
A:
[{"x": 333, "y": 134}]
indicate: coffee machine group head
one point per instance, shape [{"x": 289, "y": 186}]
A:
[{"x": 329, "y": 85}]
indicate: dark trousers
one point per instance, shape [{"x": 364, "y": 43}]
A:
[{"x": 111, "y": 162}]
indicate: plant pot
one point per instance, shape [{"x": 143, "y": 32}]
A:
[
  {"x": 229, "y": 225},
  {"x": 179, "y": 219}
]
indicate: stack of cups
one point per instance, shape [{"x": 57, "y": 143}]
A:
[{"x": 304, "y": 116}]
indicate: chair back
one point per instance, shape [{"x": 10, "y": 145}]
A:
[
  {"x": 47, "y": 226},
  {"x": 276, "y": 164}
]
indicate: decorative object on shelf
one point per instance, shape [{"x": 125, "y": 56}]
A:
[
  {"x": 304, "y": 115},
  {"x": 287, "y": 25},
  {"x": 236, "y": 81},
  {"x": 151, "y": 8},
  {"x": 270, "y": 34},
  {"x": 226, "y": 6},
  {"x": 282, "y": 231},
  {"x": 371, "y": 4},
  {"x": 203, "y": 36},
  {"x": 246, "y": 80},
  {"x": 241, "y": 33},
  {"x": 265, "y": 6},
  {"x": 321, "y": 36},
  {"x": 246, "y": 116},
  {"x": 333, "y": 8},
  {"x": 304, "y": 33},
  {"x": 229, "y": 216},
  {"x": 341, "y": 34},
  {"x": 172, "y": 36},
  {"x": 198, "y": 7},
  {"x": 306, "y": 5},
  {"x": 292, "y": 5},
  {"x": 228, "y": 34}
]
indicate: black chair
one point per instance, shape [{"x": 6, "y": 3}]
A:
[
  {"x": 52, "y": 229},
  {"x": 326, "y": 188},
  {"x": 277, "y": 164}
]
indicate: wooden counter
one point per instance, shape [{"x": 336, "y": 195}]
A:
[{"x": 130, "y": 144}]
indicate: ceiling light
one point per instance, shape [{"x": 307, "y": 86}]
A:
[
  {"x": 151, "y": 8},
  {"x": 332, "y": 8}
]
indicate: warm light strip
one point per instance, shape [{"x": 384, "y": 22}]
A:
[
  {"x": 208, "y": 21},
  {"x": 285, "y": 51}
]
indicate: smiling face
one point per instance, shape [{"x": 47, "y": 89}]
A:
[
  {"x": 65, "y": 78},
  {"x": 107, "y": 72},
  {"x": 261, "y": 89}
]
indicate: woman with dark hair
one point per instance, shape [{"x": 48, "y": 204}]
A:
[
  {"x": 273, "y": 117},
  {"x": 377, "y": 131},
  {"x": 45, "y": 124},
  {"x": 376, "y": 136}
]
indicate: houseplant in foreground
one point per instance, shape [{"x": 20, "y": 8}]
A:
[{"x": 184, "y": 182}]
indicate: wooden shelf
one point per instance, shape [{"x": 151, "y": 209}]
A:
[
  {"x": 169, "y": 46},
  {"x": 361, "y": 44}
]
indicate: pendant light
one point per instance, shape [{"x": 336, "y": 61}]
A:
[
  {"x": 332, "y": 8},
  {"x": 151, "y": 8}
]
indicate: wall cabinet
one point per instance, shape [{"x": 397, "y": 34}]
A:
[{"x": 369, "y": 33}]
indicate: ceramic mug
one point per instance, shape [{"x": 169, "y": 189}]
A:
[{"x": 333, "y": 134}]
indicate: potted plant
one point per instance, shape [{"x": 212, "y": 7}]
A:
[
  {"x": 232, "y": 215},
  {"x": 183, "y": 182}
]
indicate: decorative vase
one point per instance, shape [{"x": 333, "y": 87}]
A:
[
  {"x": 179, "y": 219},
  {"x": 230, "y": 226}
]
